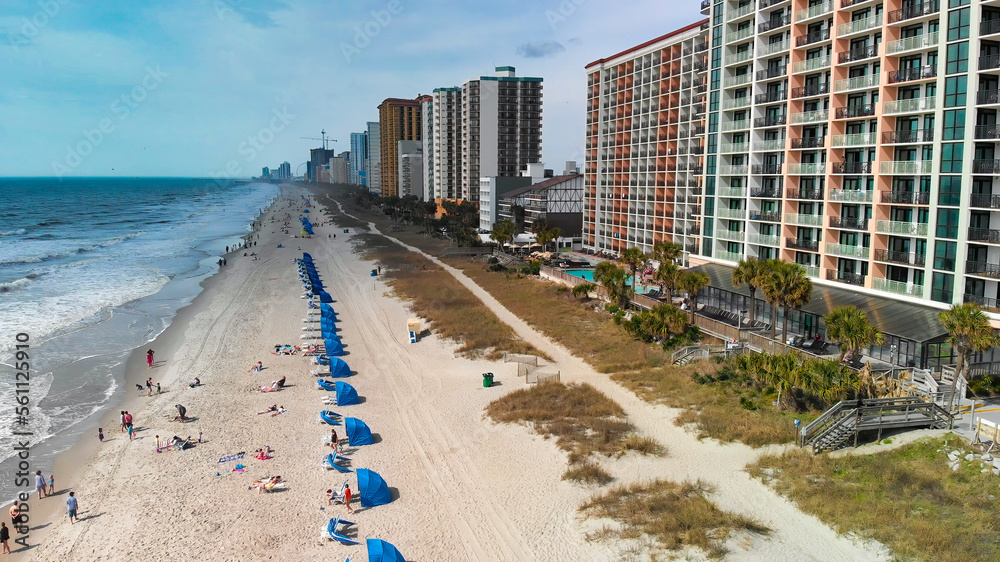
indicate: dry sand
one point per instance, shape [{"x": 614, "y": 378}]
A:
[{"x": 465, "y": 488}]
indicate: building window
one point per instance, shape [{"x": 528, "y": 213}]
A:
[
  {"x": 947, "y": 225},
  {"x": 951, "y": 158},
  {"x": 957, "y": 3},
  {"x": 944, "y": 255},
  {"x": 958, "y": 24},
  {"x": 958, "y": 57},
  {"x": 954, "y": 89},
  {"x": 954, "y": 124},
  {"x": 941, "y": 287},
  {"x": 951, "y": 190}
]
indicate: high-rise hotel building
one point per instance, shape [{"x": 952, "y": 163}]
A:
[
  {"x": 398, "y": 119},
  {"x": 855, "y": 137},
  {"x": 645, "y": 144}
]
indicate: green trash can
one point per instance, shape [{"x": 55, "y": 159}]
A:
[{"x": 487, "y": 380}]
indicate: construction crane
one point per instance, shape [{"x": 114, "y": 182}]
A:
[{"x": 324, "y": 139}]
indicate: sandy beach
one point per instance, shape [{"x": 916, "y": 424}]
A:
[{"x": 464, "y": 488}]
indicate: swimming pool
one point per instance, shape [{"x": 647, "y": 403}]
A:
[{"x": 588, "y": 274}]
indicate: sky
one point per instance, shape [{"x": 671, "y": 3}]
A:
[{"x": 221, "y": 88}]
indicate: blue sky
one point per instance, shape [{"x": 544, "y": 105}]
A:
[{"x": 224, "y": 87}]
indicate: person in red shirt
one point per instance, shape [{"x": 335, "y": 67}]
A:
[{"x": 347, "y": 499}]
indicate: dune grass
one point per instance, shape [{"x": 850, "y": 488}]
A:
[
  {"x": 906, "y": 498},
  {"x": 583, "y": 422},
  {"x": 435, "y": 295},
  {"x": 674, "y": 514}
]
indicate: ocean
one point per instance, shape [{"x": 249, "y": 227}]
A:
[{"x": 91, "y": 269}]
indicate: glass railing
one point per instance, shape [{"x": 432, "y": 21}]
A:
[
  {"x": 733, "y": 169},
  {"x": 736, "y": 125},
  {"x": 735, "y": 147},
  {"x": 721, "y": 254},
  {"x": 851, "y": 195},
  {"x": 808, "y": 168},
  {"x": 736, "y": 103},
  {"x": 808, "y": 117},
  {"x": 738, "y": 80},
  {"x": 734, "y": 235},
  {"x": 732, "y": 192},
  {"x": 908, "y": 106},
  {"x": 814, "y": 11},
  {"x": 811, "y": 270},
  {"x": 724, "y": 213},
  {"x": 739, "y": 34},
  {"x": 773, "y": 48},
  {"x": 810, "y": 220},
  {"x": 897, "y": 287},
  {"x": 907, "y": 167},
  {"x": 857, "y": 139},
  {"x": 911, "y": 43},
  {"x": 856, "y": 83},
  {"x": 860, "y": 25},
  {"x": 741, "y": 11},
  {"x": 765, "y": 239},
  {"x": 811, "y": 64},
  {"x": 772, "y": 144},
  {"x": 739, "y": 57},
  {"x": 897, "y": 227},
  {"x": 848, "y": 251}
]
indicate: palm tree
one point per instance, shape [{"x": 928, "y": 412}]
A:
[
  {"x": 850, "y": 328},
  {"x": 750, "y": 272},
  {"x": 583, "y": 290},
  {"x": 668, "y": 274},
  {"x": 665, "y": 320},
  {"x": 969, "y": 331},
  {"x": 787, "y": 286},
  {"x": 554, "y": 233},
  {"x": 615, "y": 282},
  {"x": 633, "y": 258},
  {"x": 667, "y": 251},
  {"x": 503, "y": 231},
  {"x": 693, "y": 282}
]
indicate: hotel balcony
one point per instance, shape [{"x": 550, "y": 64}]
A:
[
  {"x": 814, "y": 12},
  {"x": 982, "y": 269},
  {"x": 734, "y": 81},
  {"x": 764, "y": 193},
  {"x": 985, "y": 200},
  {"x": 909, "y": 106},
  {"x": 849, "y": 223},
  {"x": 845, "y": 277},
  {"x": 730, "y": 147},
  {"x": 807, "y": 117},
  {"x": 847, "y": 251},
  {"x": 856, "y": 111},
  {"x": 992, "y": 305},
  {"x": 810, "y": 91},
  {"x": 765, "y": 216},
  {"x": 808, "y": 142},
  {"x": 858, "y": 54},
  {"x": 769, "y": 73},
  {"x": 774, "y": 24},
  {"x": 852, "y": 168},
  {"x": 908, "y": 136},
  {"x": 862, "y": 25},
  {"x": 851, "y": 195},
  {"x": 721, "y": 254},
  {"x": 908, "y": 44},
  {"x": 766, "y": 169},
  {"x": 814, "y": 37},
  {"x": 735, "y": 214},
  {"x": 927, "y": 8},
  {"x": 906, "y": 197},
  {"x": 913, "y": 74},
  {"x": 906, "y": 167},
  {"x": 769, "y": 49},
  {"x": 988, "y": 97},
  {"x": 764, "y": 240},
  {"x": 902, "y": 228},
  {"x": 807, "y": 169},
  {"x": 706, "y": 6},
  {"x": 984, "y": 235},
  {"x": 737, "y": 58},
  {"x": 734, "y": 192},
  {"x": 844, "y": 4},
  {"x": 806, "y": 220},
  {"x": 800, "y": 244},
  {"x": 988, "y": 132},
  {"x": 732, "y": 235},
  {"x": 807, "y": 194},
  {"x": 901, "y": 258},
  {"x": 733, "y": 169},
  {"x": 811, "y": 65},
  {"x": 897, "y": 287},
  {"x": 857, "y": 139},
  {"x": 989, "y": 27},
  {"x": 739, "y": 34},
  {"x": 986, "y": 166},
  {"x": 856, "y": 83},
  {"x": 769, "y": 145},
  {"x": 741, "y": 12},
  {"x": 741, "y": 125}
]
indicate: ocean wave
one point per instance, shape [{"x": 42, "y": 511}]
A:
[
  {"x": 17, "y": 232},
  {"x": 70, "y": 252},
  {"x": 14, "y": 285}
]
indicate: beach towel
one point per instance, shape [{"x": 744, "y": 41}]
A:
[{"x": 235, "y": 457}]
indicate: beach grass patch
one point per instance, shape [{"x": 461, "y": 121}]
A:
[
  {"x": 587, "y": 473},
  {"x": 583, "y": 421},
  {"x": 452, "y": 310},
  {"x": 674, "y": 514},
  {"x": 907, "y": 498}
]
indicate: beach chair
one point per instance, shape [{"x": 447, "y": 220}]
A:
[
  {"x": 328, "y": 417},
  {"x": 330, "y": 461},
  {"x": 331, "y": 531},
  {"x": 338, "y": 496}
]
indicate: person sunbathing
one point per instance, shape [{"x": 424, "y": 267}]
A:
[
  {"x": 270, "y": 409},
  {"x": 275, "y": 386},
  {"x": 197, "y": 382},
  {"x": 266, "y": 484},
  {"x": 279, "y": 411},
  {"x": 263, "y": 454}
]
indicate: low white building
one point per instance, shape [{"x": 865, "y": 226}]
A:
[{"x": 411, "y": 169}]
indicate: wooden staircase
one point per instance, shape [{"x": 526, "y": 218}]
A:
[{"x": 845, "y": 420}]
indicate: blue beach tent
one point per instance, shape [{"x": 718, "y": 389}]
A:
[
  {"x": 327, "y": 310},
  {"x": 372, "y": 488},
  {"x": 325, "y": 297},
  {"x": 333, "y": 348},
  {"x": 329, "y": 417},
  {"x": 381, "y": 551},
  {"x": 339, "y": 368},
  {"x": 346, "y": 395},
  {"x": 358, "y": 432}
]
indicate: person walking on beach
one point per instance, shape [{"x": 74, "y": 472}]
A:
[
  {"x": 334, "y": 440},
  {"x": 39, "y": 484},
  {"x": 128, "y": 424},
  {"x": 72, "y": 506},
  {"x": 149, "y": 359},
  {"x": 347, "y": 498},
  {"x": 149, "y": 386},
  {"x": 4, "y": 537},
  {"x": 52, "y": 484},
  {"x": 100, "y": 434},
  {"x": 15, "y": 513},
  {"x": 123, "y": 421}
]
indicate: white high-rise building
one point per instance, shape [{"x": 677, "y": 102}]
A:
[
  {"x": 426, "y": 145},
  {"x": 374, "y": 166},
  {"x": 446, "y": 143}
]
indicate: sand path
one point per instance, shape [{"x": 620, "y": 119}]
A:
[{"x": 796, "y": 535}]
